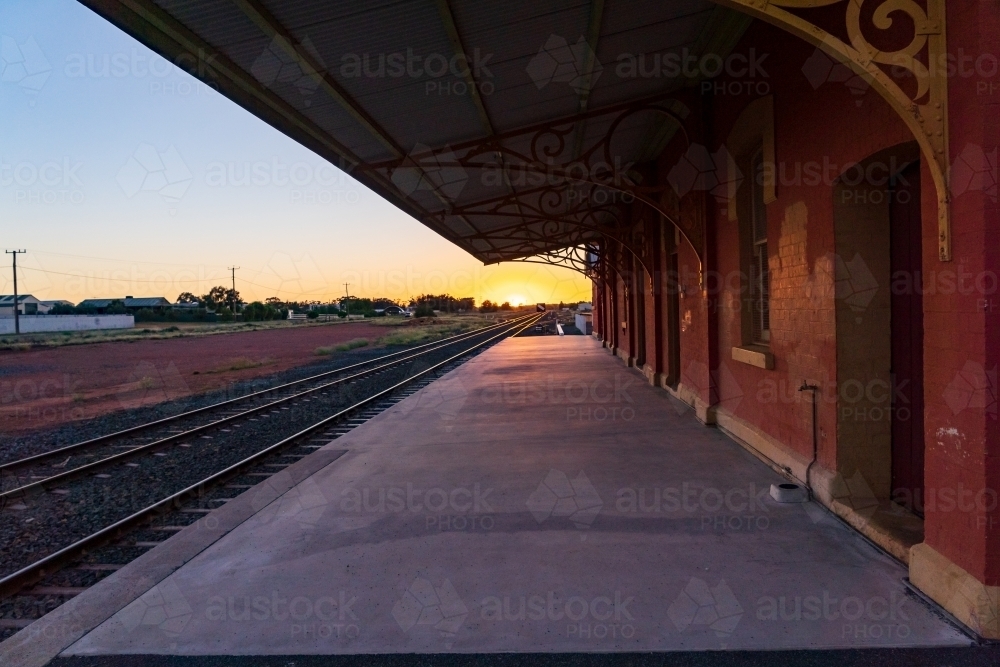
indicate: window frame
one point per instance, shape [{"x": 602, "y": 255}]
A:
[{"x": 755, "y": 254}]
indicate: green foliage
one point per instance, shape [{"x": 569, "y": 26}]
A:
[
  {"x": 424, "y": 310},
  {"x": 259, "y": 312},
  {"x": 62, "y": 309},
  {"x": 219, "y": 296},
  {"x": 444, "y": 303},
  {"x": 116, "y": 307},
  {"x": 352, "y": 344},
  {"x": 312, "y": 315},
  {"x": 343, "y": 347},
  {"x": 488, "y": 307}
]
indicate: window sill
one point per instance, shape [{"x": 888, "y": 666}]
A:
[{"x": 754, "y": 357}]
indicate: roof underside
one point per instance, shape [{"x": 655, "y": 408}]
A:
[{"x": 362, "y": 85}]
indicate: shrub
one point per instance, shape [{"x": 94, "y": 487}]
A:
[
  {"x": 352, "y": 344},
  {"x": 258, "y": 312},
  {"x": 116, "y": 307},
  {"x": 424, "y": 310}
]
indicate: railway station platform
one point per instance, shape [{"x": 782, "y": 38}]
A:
[{"x": 539, "y": 498}]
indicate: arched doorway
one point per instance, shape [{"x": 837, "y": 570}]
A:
[{"x": 879, "y": 325}]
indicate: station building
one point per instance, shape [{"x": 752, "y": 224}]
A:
[{"x": 788, "y": 209}]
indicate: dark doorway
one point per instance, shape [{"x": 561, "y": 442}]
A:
[
  {"x": 673, "y": 347},
  {"x": 639, "y": 318},
  {"x": 907, "y": 340}
]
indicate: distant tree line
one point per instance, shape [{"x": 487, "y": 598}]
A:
[
  {"x": 444, "y": 303},
  {"x": 226, "y": 304},
  {"x": 490, "y": 307}
]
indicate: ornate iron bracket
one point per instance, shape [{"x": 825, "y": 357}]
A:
[
  {"x": 924, "y": 109},
  {"x": 545, "y": 178}
]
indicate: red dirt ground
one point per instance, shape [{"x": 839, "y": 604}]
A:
[{"x": 52, "y": 386}]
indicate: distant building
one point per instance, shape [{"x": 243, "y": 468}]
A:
[
  {"x": 132, "y": 304},
  {"x": 26, "y": 305},
  {"x": 584, "y": 307}
]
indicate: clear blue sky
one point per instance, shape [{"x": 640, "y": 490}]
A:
[{"x": 117, "y": 166}]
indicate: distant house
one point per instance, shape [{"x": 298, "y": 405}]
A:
[
  {"x": 26, "y": 305},
  {"x": 131, "y": 303}
]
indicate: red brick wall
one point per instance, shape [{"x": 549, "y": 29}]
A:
[
  {"x": 810, "y": 127},
  {"x": 835, "y": 127},
  {"x": 962, "y": 331}
]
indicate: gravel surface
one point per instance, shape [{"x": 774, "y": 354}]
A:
[
  {"x": 20, "y": 446},
  {"x": 48, "y": 520}
]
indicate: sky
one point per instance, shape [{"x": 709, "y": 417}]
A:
[{"x": 88, "y": 114}]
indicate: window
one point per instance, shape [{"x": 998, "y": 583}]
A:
[{"x": 759, "y": 278}]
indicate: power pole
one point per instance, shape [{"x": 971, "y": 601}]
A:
[
  {"x": 232, "y": 296},
  {"x": 17, "y": 315},
  {"x": 347, "y": 299}
]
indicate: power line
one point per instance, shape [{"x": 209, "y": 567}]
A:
[
  {"x": 118, "y": 259},
  {"x": 168, "y": 280},
  {"x": 133, "y": 280}
]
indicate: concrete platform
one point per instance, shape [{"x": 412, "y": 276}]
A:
[{"x": 540, "y": 498}]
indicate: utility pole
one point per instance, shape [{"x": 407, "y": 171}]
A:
[
  {"x": 347, "y": 300},
  {"x": 17, "y": 315},
  {"x": 232, "y": 296}
]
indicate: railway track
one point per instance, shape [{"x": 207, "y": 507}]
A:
[
  {"x": 227, "y": 466},
  {"x": 34, "y": 473}
]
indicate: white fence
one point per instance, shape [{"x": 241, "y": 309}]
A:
[{"x": 43, "y": 323}]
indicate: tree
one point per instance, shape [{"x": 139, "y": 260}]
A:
[
  {"x": 257, "y": 311},
  {"x": 220, "y": 296},
  {"x": 233, "y": 299},
  {"x": 187, "y": 297},
  {"x": 215, "y": 297},
  {"x": 444, "y": 302},
  {"x": 116, "y": 307},
  {"x": 488, "y": 307},
  {"x": 506, "y": 306}
]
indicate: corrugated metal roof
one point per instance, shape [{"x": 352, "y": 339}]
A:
[{"x": 383, "y": 114}]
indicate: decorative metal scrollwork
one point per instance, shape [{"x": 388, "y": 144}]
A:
[
  {"x": 924, "y": 109},
  {"x": 555, "y": 189}
]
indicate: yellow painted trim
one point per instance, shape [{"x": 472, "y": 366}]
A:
[{"x": 926, "y": 114}]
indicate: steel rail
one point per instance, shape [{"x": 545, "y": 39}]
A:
[
  {"x": 14, "y": 582},
  {"x": 28, "y": 460},
  {"x": 79, "y": 471}
]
